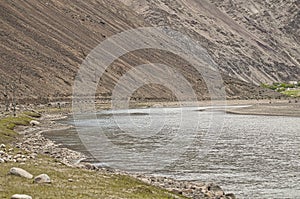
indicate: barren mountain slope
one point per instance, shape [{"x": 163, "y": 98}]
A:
[
  {"x": 43, "y": 44},
  {"x": 250, "y": 39}
]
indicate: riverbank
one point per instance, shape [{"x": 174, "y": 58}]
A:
[
  {"x": 37, "y": 154},
  {"x": 291, "y": 109},
  {"x": 72, "y": 178}
]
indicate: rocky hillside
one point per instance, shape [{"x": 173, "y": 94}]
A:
[
  {"x": 43, "y": 44},
  {"x": 255, "y": 41}
]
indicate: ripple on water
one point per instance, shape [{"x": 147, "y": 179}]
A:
[{"x": 255, "y": 156}]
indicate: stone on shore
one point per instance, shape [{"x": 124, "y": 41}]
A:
[
  {"x": 20, "y": 172},
  {"x": 2, "y": 160},
  {"x": 216, "y": 190},
  {"x": 21, "y": 196},
  {"x": 230, "y": 196},
  {"x": 34, "y": 123},
  {"x": 2, "y": 146},
  {"x": 42, "y": 179}
]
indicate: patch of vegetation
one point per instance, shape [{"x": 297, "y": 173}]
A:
[
  {"x": 7, "y": 125},
  {"x": 291, "y": 90},
  {"x": 292, "y": 93},
  {"x": 70, "y": 182},
  {"x": 32, "y": 114}
]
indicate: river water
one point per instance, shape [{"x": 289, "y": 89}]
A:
[{"x": 251, "y": 156}]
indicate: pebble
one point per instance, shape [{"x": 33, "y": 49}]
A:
[
  {"x": 20, "y": 172},
  {"x": 2, "y": 160},
  {"x": 41, "y": 179},
  {"x": 21, "y": 196},
  {"x": 2, "y": 146}
]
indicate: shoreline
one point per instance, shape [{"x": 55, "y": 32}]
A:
[
  {"x": 271, "y": 109},
  {"x": 33, "y": 141}
]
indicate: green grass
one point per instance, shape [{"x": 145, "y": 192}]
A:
[
  {"x": 292, "y": 93},
  {"x": 85, "y": 184},
  {"x": 7, "y": 125},
  {"x": 32, "y": 114},
  {"x": 283, "y": 88}
]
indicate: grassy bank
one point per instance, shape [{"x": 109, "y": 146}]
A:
[
  {"x": 67, "y": 182},
  {"x": 70, "y": 182},
  {"x": 291, "y": 90},
  {"x": 293, "y": 93},
  {"x": 7, "y": 125}
]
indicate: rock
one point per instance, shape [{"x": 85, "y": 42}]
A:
[
  {"x": 17, "y": 156},
  {"x": 216, "y": 190},
  {"x": 41, "y": 179},
  {"x": 88, "y": 166},
  {"x": 21, "y": 159},
  {"x": 2, "y": 160},
  {"x": 20, "y": 172},
  {"x": 2, "y": 146},
  {"x": 34, "y": 123},
  {"x": 177, "y": 191},
  {"x": 230, "y": 196},
  {"x": 21, "y": 196}
]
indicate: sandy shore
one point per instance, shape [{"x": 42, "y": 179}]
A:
[{"x": 270, "y": 109}]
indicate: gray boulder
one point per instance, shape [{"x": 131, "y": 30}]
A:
[
  {"x": 20, "y": 172},
  {"x": 34, "y": 123},
  {"x": 21, "y": 196},
  {"x": 41, "y": 179},
  {"x": 215, "y": 189}
]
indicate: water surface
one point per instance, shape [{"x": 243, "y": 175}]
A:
[{"x": 253, "y": 157}]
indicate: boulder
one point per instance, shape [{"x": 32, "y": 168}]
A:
[
  {"x": 215, "y": 189},
  {"x": 21, "y": 196},
  {"x": 34, "y": 123},
  {"x": 2, "y": 146},
  {"x": 20, "y": 172},
  {"x": 2, "y": 160},
  {"x": 41, "y": 179}
]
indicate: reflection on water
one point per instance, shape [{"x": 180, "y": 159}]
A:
[{"x": 254, "y": 157}]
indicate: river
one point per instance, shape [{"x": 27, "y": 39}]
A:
[{"x": 251, "y": 156}]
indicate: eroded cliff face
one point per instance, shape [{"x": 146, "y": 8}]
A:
[
  {"x": 255, "y": 41},
  {"x": 43, "y": 44}
]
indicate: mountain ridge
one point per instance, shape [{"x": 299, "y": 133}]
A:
[
  {"x": 43, "y": 44},
  {"x": 237, "y": 42}
]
